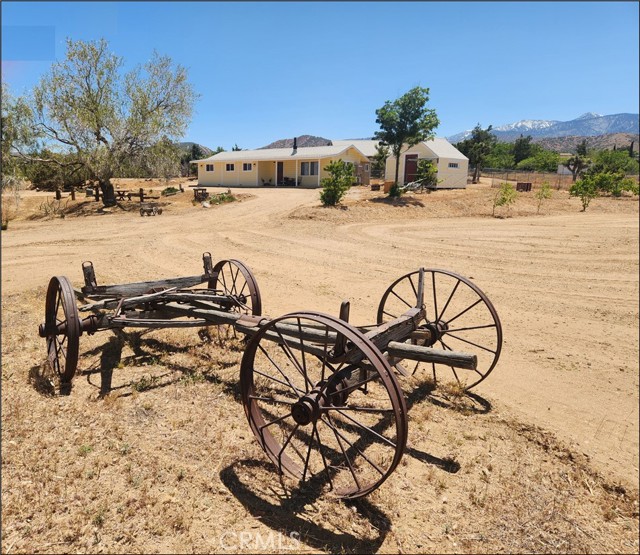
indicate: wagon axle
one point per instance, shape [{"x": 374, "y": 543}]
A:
[{"x": 322, "y": 397}]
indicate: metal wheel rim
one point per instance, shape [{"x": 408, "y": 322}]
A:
[
  {"x": 60, "y": 307},
  {"x": 225, "y": 268},
  {"x": 481, "y": 374},
  {"x": 277, "y": 450}
]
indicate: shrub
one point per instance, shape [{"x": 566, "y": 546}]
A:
[
  {"x": 505, "y": 196},
  {"x": 170, "y": 191},
  {"x": 335, "y": 187},
  {"x": 585, "y": 189},
  {"x": 542, "y": 194}
]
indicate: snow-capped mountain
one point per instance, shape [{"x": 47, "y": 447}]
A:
[{"x": 588, "y": 125}]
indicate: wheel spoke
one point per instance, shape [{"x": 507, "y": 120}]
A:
[
  {"x": 399, "y": 297},
  {"x": 344, "y": 454},
  {"x": 471, "y": 343},
  {"x": 464, "y": 311},
  {"x": 453, "y": 292},
  {"x": 471, "y": 328},
  {"x": 361, "y": 425}
]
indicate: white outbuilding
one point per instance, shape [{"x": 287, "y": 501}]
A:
[{"x": 452, "y": 165}]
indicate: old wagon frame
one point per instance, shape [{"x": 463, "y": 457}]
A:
[{"x": 322, "y": 397}]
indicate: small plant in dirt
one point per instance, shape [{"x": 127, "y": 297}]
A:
[
  {"x": 543, "y": 193},
  {"x": 169, "y": 191},
  {"x": 54, "y": 208},
  {"x": 335, "y": 187},
  {"x": 223, "y": 197},
  {"x": 585, "y": 189},
  {"x": 395, "y": 191},
  {"x": 505, "y": 196}
]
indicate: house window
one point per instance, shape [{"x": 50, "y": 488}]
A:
[
  {"x": 309, "y": 168},
  {"x": 366, "y": 168},
  {"x": 453, "y": 164},
  {"x": 246, "y": 167},
  {"x": 209, "y": 167},
  {"x": 231, "y": 167}
]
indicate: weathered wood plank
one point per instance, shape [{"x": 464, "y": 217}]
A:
[
  {"x": 420, "y": 353},
  {"x": 142, "y": 287}
]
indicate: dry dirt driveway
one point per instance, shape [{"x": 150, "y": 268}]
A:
[{"x": 565, "y": 287}]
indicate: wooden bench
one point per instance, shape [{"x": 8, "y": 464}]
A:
[{"x": 522, "y": 187}]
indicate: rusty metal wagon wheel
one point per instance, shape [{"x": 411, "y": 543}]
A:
[
  {"x": 62, "y": 330},
  {"x": 459, "y": 317},
  {"x": 234, "y": 278},
  {"x": 338, "y": 421},
  {"x": 154, "y": 211},
  {"x": 142, "y": 211}
]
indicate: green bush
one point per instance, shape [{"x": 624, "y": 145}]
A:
[
  {"x": 335, "y": 187},
  {"x": 585, "y": 189},
  {"x": 542, "y": 194},
  {"x": 505, "y": 196},
  {"x": 169, "y": 191}
]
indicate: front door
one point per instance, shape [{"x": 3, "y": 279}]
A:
[
  {"x": 410, "y": 167},
  {"x": 280, "y": 173}
]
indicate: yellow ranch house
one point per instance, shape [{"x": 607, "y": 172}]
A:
[{"x": 279, "y": 167}]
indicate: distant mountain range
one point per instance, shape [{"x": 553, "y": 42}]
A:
[
  {"x": 587, "y": 125},
  {"x": 186, "y": 147},
  {"x": 303, "y": 141}
]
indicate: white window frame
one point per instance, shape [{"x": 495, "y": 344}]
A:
[
  {"x": 245, "y": 168},
  {"x": 453, "y": 164},
  {"x": 232, "y": 168},
  {"x": 306, "y": 168},
  {"x": 208, "y": 167}
]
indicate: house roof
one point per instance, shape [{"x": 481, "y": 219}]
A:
[
  {"x": 444, "y": 149},
  {"x": 303, "y": 153},
  {"x": 366, "y": 146},
  {"x": 441, "y": 148}
]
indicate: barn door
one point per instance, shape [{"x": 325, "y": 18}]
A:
[{"x": 410, "y": 167}]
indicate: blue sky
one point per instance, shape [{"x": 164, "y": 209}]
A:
[{"x": 272, "y": 70}]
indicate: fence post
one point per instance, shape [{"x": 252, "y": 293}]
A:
[
  {"x": 141, "y": 194},
  {"x": 73, "y": 193},
  {"x": 58, "y": 193}
]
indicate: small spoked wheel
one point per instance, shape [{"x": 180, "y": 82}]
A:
[
  {"x": 142, "y": 211},
  {"x": 234, "y": 278},
  {"x": 324, "y": 403},
  {"x": 459, "y": 317},
  {"x": 62, "y": 330}
]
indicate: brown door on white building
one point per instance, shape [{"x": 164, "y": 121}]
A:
[{"x": 410, "y": 167}]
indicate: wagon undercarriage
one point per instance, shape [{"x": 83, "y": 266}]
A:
[{"x": 322, "y": 397}]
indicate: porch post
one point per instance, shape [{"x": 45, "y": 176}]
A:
[
  {"x": 318, "y": 172},
  {"x": 296, "y": 173}
]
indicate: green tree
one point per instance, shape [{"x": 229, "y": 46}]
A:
[
  {"x": 104, "y": 119},
  {"x": 585, "y": 189},
  {"x": 335, "y": 187},
  {"x": 576, "y": 165},
  {"x": 236, "y": 148},
  {"x": 380, "y": 160},
  {"x": 581, "y": 149},
  {"x": 505, "y": 196},
  {"x": 522, "y": 148},
  {"x": 501, "y": 157},
  {"x": 406, "y": 121},
  {"x": 477, "y": 148},
  {"x": 543, "y": 193},
  {"x": 427, "y": 173},
  {"x": 613, "y": 161}
]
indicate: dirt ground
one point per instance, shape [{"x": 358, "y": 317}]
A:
[{"x": 541, "y": 457}]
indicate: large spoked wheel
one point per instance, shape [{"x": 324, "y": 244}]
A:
[
  {"x": 459, "y": 317},
  {"x": 339, "y": 421},
  {"x": 235, "y": 279},
  {"x": 62, "y": 330}
]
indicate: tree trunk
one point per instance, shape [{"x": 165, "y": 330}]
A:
[
  {"x": 476, "y": 174},
  {"x": 108, "y": 193},
  {"x": 397, "y": 168}
]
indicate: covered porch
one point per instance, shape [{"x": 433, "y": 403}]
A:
[{"x": 289, "y": 173}]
